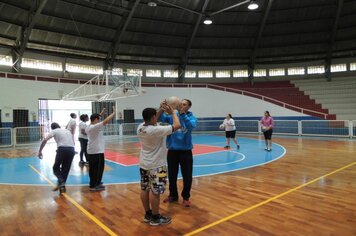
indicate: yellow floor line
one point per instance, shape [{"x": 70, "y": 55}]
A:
[
  {"x": 85, "y": 212},
  {"x": 265, "y": 202}
]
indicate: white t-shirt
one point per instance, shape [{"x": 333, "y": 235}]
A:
[
  {"x": 153, "y": 140},
  {"x": 95, "y": 135},
  {"x": 229, "y": 124},
  {"x": 71, "y": 126},
  {"x": 82, "y": 126},
  {"x": 63, "y": 137}
]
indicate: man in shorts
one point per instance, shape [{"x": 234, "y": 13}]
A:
[{"x": 153, "y": 163}]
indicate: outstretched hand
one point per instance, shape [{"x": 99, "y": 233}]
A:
[
  {"x": 103, "y": 111},
  {"x": 167, "y": 108}
]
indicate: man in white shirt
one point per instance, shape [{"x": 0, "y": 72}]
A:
[
  {"x": 153, "y": 163},
  {"x": 83, "y": 139},
  {"x": 72, "y": 124},
  {"x": 64, "y": 156},
  {"x": 96, "y": 148}
]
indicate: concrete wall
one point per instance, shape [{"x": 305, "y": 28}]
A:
[{"x": 207, "y": 103}]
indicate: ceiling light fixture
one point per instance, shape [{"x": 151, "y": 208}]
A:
[
  {"x": 253, "y": 5},
  {"x": 152, "y": 4},
  {"x": 207, "y": 20}
]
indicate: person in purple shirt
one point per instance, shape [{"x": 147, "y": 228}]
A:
[{"x": 267, "y": 124}]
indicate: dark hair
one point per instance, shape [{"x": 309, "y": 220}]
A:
[
  {"x": 148, "y": 113},
  {"x": 229, "y": 115},
  {"x": 73, "y": 115},
  {"x": 94, "y": 116},
  {"x": 189, "y": 102},
  {"x": 267, "y": 113},
  {"x": 83, "y": 117},
  {"x": 55, "y": 125}
]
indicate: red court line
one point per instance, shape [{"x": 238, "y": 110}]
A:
[
  {"x": 121, "y": 158},
  {"x": 205, "y": 149},
  {"x": 129, "y": 160}
]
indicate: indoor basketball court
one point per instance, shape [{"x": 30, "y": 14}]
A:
[{"x": 244, "y": 59}]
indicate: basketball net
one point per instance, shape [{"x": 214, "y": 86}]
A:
[{"x": 112, "y": 85}]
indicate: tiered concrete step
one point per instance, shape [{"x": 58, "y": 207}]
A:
[{"x": 338, "y": 95}]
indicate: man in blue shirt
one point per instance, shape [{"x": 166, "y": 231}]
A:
[{"x": 180, "y": 147}]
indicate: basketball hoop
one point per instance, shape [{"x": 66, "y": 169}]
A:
[{"x": 111, "y": 85}]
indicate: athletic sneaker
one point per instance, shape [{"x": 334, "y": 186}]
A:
[
  {"x": 186, "y": 203},
  {"x": 238, "y": 146},
  {"x": 148, "y": 216},
  {"x": 227, "y": 147},
  {"x": 57, "y": 187},
  {"x": 97, "y": 188},
  {"x": 86, "y": 163},
  {"x": 100, "y": 187},
  {"x": 160, "y": 220},
  {"x": 170, "y": 199},
  {"x": 62, "y": 190}
]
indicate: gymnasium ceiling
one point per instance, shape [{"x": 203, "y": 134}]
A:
[{"x": 173, "y": 33}]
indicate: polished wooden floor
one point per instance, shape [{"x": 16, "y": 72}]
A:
[{"x": 285, "y": 197}]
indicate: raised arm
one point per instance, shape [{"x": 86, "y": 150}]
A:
[
  {"x": 167, "y": 108},
  {"x": 110, "y": 117}
]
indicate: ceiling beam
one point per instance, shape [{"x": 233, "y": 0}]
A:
[
  {"x": 179, "y": 7},
  {"x": 257, "y": 41},
  {"x": 332, "y": 40},
  {"x": 228, "y": 8},
  {"x": 22, "y": 40},
  {"x": 124, "y": 23},
  {"x": 184, "y": 60}
]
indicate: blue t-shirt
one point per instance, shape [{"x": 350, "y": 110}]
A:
[{"x": 181, "y": 139}]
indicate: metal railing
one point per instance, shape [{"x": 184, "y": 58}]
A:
[
  {"x": 242, "y": 92},
  {"x": 21, "y": 136},
  {"x": 27, "y": 135},
  {"x": 6, "y": 138},
  {"x": 174, "y": 85}
]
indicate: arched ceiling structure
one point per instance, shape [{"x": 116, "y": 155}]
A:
[{"x": 173, "y": 32}]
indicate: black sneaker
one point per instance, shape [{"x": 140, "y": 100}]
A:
[
  {"x": 148, "y": 216},
  {"x": 86, "y": 163},
  {"x": 160, "y": 220},
  {"x": 62, "y": 190},
  {"x": 81, "y": 163},
  {"x": 238, "y": 146},
  {"x": 59, "y": 185},
  {"x": 227, "y": 147}
]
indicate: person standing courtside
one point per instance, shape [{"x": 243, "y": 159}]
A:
[
  {"x": 180, "y": 152},
  {"x": 267, "y": 124},
  {"x": 64, "y": 154},
  {"x": 230, "y": 131},
  {"x": 96, "y": 148},
  {"x": 153, "y": 162},
  {"x": 83, "y": 139},
  {"x": 72, "y": 124}
]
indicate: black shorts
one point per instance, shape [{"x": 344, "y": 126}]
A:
[
  {"x": 268, "y": 134},
  {"x": 230, "y": 134}
]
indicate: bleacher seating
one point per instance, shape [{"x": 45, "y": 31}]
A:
[
  {"x": 283, "y": 91},
  {"x": 337, "y": 95}
]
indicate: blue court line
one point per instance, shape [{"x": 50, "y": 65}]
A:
[{"x": 15, "y": 171}]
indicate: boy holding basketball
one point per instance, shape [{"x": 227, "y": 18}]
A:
[{"x": 153, "y": 164}]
